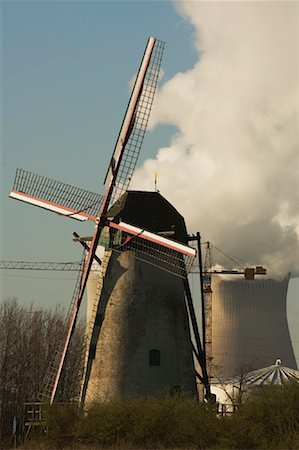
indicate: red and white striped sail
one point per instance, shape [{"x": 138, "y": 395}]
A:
[
  {"x": 61, "y": 198},
  {"x": 131, "y": 135},
  {"x": 80, "y": 204},
  {"x": 168, "y": 255},
  {"x": 77, "y": 203},
  {"x": 118, "y": 175}
]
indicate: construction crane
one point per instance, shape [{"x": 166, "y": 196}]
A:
[
  {"x": 74, "y": 266},
  {"x": 208, "y": 270}
]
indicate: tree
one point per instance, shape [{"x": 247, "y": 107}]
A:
[
  {"x": 232, "y": 392},
  {"x": 28, "y": 339}
]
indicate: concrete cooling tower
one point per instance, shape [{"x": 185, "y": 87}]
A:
[
  {"x": 137, "y": 324},
  {"x": 249, "y": 325}
]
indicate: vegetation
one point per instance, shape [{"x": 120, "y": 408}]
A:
[
  {"x": 28, "y": 339},
  {"x": 268, "y": 419}
]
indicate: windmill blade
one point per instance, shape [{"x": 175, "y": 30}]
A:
[
  {"x": 120, "y": 166},
  {"x": 50, "y": 383},
  {"x": 135, "y": 122},
  {"x": 152, "y": 248},
  {"x": 117, "y": 169},
  {"x": 62, "y": 198}
]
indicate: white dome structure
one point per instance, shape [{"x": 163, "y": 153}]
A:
[
  {"x": 272, "y": 375},
  {"x": 230, "y": 393}
]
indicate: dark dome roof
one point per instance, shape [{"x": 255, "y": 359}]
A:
[{"x": 151, "y": 211}]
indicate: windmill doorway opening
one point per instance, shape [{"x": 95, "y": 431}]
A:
[{"x": 154, "y": 357}]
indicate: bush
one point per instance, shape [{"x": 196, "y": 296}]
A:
[
  {"x": 269, "y": 419},
  {"x": 150, "y": 423},
  {"x": 62, "y": 422}
]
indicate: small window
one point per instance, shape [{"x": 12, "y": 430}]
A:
[{"x": 154, "y": 357}]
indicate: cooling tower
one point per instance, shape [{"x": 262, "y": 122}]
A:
[
  {"x": 249, "y": 325},
  {"x": 138, "y": 330}
]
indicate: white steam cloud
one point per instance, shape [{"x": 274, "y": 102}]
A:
[{"x": 232, "y": 169}]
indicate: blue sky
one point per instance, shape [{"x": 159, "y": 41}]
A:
[
  {"x": 65, "y": 88},
  {"x": 66, "y": 69}
]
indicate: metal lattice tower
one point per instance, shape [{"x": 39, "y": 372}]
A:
[{"x": 207, "y": 292}]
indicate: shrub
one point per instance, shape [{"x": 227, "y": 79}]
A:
[
  {"x": 147, "y": 423},
  {"x": 62, "y": 422},
  {"x": 269, "y": 419}
]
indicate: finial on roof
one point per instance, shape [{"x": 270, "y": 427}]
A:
[{"x": 278, "y": 362}]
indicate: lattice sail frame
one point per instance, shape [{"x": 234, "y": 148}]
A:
[
  {"x": 56, "y": 196},
  {"x": 81, "y": 204},
  {"x": 138, "y": 123},
  {"x": 51, "y": 378},
  {"x": 168, "y": 255},
  {"x": 117, "y": 180}
]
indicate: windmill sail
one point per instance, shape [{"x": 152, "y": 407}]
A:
[
  {"x": 80, "y": 204},
  {"x": 62, "y": 198},
  {"x": 131, "y": 135},
  {"x": 51, "y": 379},
  {"x": 152, "y": 248},
  {"x": 131, "y": 241},
  {"x": 120, "y": 167}
]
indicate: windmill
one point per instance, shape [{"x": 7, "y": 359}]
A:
[{"x": 129, "y": 246}]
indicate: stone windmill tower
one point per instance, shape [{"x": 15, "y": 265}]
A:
[{"x": 138, "y": 337}]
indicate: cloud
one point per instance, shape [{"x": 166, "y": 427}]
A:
[{"x": 232, "y": 168}]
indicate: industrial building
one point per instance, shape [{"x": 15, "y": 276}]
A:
[{"x": 249, "y": 325}]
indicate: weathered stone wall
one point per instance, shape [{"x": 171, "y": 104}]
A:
[{"x": 144, "y": 309}]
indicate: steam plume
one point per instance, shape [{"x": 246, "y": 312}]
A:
[{"x": 232, "y": 168}]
